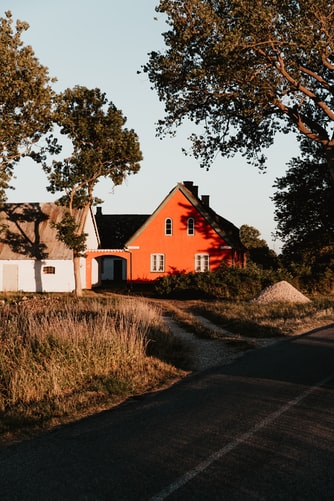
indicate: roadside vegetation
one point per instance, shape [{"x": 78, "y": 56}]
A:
[
  {"x": 248, "y": 319},
  {"x": 267, "y": 320},
  {"x": 63, "y": 358},
  {"x": 244, "y": 283}
]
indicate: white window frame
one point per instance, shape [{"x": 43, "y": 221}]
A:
[
  {"x": 168, "y": 226},
  {"x": 202, "y": 263},
  {"x": 191, "y": 226},
  {"x": 157, "y": 263}
]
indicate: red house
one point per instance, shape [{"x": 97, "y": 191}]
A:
[{"x": 182, "y": 235}]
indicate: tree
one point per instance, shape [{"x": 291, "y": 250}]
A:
[
  {"x": 250, "y": 237},
  {"x": 304, "y": 209},
  {"x": 258, "y": 249},
  {"x": 304, "y": 212},
  {"x": 25, "y": 99},
  {"x": 102, "y": 148},
  {"x": 246, "y": 70}
]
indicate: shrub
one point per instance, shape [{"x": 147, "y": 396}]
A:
[{"x": 225, "y": 283}]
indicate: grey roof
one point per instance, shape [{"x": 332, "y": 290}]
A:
[
  {"x": 116, "y": 229},
  {"x": 26, "y": 232}
]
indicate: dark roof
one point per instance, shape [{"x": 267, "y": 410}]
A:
[
  {"x": 115, "y": 229},
  {"x": 26, "y": 232},
  {"x": 227, "y": 230}
]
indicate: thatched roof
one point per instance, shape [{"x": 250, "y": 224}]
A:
[{"x": 26, "y": 232}]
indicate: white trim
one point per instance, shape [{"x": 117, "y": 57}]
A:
[
  {"x": 202, "y": 262},
  {"x": 170, "y": 229},
  {"x": 157, "y": 263}
]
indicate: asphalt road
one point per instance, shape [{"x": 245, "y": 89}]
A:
[{"x": 259, "y": 429}]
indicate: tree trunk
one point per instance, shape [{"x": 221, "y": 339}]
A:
[{"x": 77, "y": 276}]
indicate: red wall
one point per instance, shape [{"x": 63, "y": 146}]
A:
[{"x": 179, "y": 248}]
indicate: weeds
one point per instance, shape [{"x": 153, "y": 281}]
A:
[
  {"x": 62, "y": 358},
  {"x": 59, "y": 357},
  {"x": 267, "y": 320}
]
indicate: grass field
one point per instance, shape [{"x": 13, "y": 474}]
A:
[{"x": 62, "y": 358}]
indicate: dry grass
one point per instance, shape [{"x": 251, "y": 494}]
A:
[
  {"x": 249, "y": 319},
  {"x": 63, "y": 358},
  {"x": 267, "y": 320}
]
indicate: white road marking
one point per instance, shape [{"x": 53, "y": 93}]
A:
[{"x": 189, "y": 475}]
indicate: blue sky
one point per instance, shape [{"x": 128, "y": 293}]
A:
[{"x": 103, "y": 44}]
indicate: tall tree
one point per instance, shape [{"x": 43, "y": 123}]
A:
[
  {"x": 102, "y": 148},
  {"x": 304, "y": 212},
  {"x": 245, "y": 70},
  {"x": 257, "y": 248},
  {"x": 304, "y": 208},
  {"x": 25, "y": 99},
  {"x": 250, "y": 237}
]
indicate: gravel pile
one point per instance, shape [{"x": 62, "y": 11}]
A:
[{"x": 281, "y": 292}]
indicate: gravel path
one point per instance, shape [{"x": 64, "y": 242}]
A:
[{"x": 207, "y": 353}]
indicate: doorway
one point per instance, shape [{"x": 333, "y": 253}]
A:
[
  {"x": 113, "y": 268},
  {"x": 10, "y": 277}
]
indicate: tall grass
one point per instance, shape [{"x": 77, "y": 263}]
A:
[
  {"x": 60, "y": 356},
  {"x": 267, "y": 320}
]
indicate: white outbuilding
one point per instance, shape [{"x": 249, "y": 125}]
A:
[{"x": 31, "y": 257}]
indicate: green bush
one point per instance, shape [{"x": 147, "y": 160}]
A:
[{"x": 225, "y": 283}]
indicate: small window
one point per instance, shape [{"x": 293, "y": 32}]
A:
[
  {"x": 157, "y": 263},
  {"x": 191, "y": 226},
  {"x": 49, "y": 270},
  {"x": 168, "y": 226},
  {"x": 202, "y": 262}
]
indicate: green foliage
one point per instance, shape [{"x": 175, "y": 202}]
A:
[
  {"x": 245, "y": 70},
  {"x": 25, "y": 97},
  {"x": 250, "y": 237},
  {"x": 305, "y": 220},
  {"x": 225, "y": 283},
  {"x": 257, "y": 248},
  {"x": 306, "y": 223},
  {"x": 67, "y": 232},
  {"x": 312, "y": 269},
  {"x": 102, "y": 148}
]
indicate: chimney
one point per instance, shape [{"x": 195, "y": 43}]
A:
[
  {"x": 195, "y": 191},
  {"x": 188, "y": 184},
  {"x": 98, "y": 211},
  {"x": 206, "y": 200}
]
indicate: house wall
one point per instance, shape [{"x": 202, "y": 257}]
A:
[
  {"x": 93, "y": 264},
  {"x": 179, "y": 249},
  {"x": 29, "y": 275},
  {"x": 91, "y": 240}
]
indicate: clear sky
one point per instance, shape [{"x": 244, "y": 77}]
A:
[{"x": 103, "y": 43}]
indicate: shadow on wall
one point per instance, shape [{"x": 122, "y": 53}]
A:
[{"x": 21, "y": 232}]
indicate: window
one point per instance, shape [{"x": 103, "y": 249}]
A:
[
  {"x": 168, "y": 226},
  {"x": 202, "y": 262},
  {"x": 157, "y": 262},
  {"x": 191, "y": 226},
  {"x": 49, "y": 270}
]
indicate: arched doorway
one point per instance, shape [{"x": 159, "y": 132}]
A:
[{"x": 114, "y": 268}]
